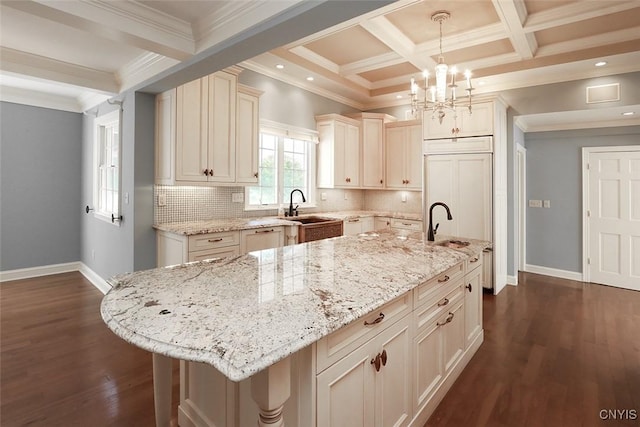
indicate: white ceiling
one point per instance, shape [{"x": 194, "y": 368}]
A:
[{"x": 73, "y": 55}]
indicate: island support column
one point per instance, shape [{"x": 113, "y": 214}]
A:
[
  {"x": 270, "y": 389},
  {"x": 162, "y": 385}
]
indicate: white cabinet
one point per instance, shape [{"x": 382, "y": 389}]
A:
[
  {"x": 371, "y": 386},
  {"x": 263, "y": 238},
  {"x": 165, "y": 135},
  {"x": 464, "y": 183},
  {"x": 338, "y": 152},
  {"x": 177, "y": 248},
  {"x": 247, "y": 134},
  {"x": 381, "y": 223},
  {"x": 372, "y": 144},
  {"x": 477, "y": 123},
  {"x": 473, "y": 299},
  {"x": 406, "y": 224},
  {"x": 403, "y": 157},
  {"x": 355, "y": 226}
]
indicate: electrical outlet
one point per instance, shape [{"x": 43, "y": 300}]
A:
[
  {"x": 237, "y": 197},
  {"x": 546, "y": 203},
  {"x": 403, "y": 197},
  {"x": 346, "y": 195},
  {"x": 535, "y": 203},
  {"x": 323, "y": 196},
  {"x": 162, "y": 200}
]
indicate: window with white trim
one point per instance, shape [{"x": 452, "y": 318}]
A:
[
  {"x": 286, "y": 161},
  {"x": 107, "y": 166}
]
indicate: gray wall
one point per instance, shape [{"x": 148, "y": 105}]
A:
[
  {"x": 40, "y": 206},
  {"x": 554, "y": 172}
]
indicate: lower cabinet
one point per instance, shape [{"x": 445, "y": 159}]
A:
[
  {"x": 372, "y": 385},
  {"x": 473, "y": 299},
  {"x": 263, "y": 238},
  {"x": 355, "y": 226}
]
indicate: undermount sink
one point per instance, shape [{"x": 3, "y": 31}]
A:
[{"x": 455, "y": 244}]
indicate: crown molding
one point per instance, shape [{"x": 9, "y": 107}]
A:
[
  {"x": 39, "y": 99},
  {"x": 142, "y": 68}
]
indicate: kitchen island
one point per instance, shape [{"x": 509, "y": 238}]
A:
[{"x": 266, "y": 320}]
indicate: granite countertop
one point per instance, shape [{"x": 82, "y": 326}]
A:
[
  {"x": 243, "y": 314},
  {"x": 232, "y": 224}
]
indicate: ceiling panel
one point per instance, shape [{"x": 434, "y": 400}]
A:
[
  {"x": 390, "y": 72},
  {"x": 461, "y": 56},
  {"x": 346, "y": 46},
  {"x": 535, "y": 6}
]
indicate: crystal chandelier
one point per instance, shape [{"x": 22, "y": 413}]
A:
[{"x": 435, "y": 96}]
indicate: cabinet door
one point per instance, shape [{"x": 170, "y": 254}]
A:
[
  {"x": 351, "y": 227},
  {"x": 474, "y": 196},
  {"x": 393, "y": 381},
  {"x": 381, "y": 223},
  {"x": 229, "y": 251},
  {"x": 367, "y": 224},
  {"x": 433, "y": 129},
  {"x": 352, "y": 156},
  {"x": 191, "y": 131},
  {"x": 222, "y": 127},
  {"x": 487, "y": 269},
  {"x": 453, "y": 337},
  {"x": 247, "y": 134},
  {"x": 264, "y": 238},
  {"x": 346, "y": 391},
  {"x": 413, "y": 159},
  {"x": 372, "y": 153},
  {"x": 441, "y": 187},
  {"x": 428, "y": 362},
  {"x": 477, "y": 123},
  {"x": 473, "y": 304},
  {"x": 165, "y": 143},
  {"x": 394, "y": 159}
]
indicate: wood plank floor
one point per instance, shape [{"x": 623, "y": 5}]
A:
[{"x": 556, "y": 353}]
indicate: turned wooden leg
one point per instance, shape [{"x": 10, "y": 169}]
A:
[
  {"x": 270, "y": 389},
  {"x": 162, "y": 384}
]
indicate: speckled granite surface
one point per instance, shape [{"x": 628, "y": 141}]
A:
[
  {"x": 245, "y": 313},
  {"x": 232, "y": 224}
]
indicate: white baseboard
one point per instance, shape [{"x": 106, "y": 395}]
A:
[
  {"x": 47, "y": 270},
  {"x": 44, "y": 270},
  {"x": 554, "y": 272},
  {"x": 512, "y": 280}
]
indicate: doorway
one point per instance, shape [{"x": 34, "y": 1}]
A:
[{"x": 611, "y": 216}]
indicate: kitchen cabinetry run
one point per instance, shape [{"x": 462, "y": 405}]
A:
[
  {"x": 478, "y": 122},
  {"x": 338, "y": 152},
  {"x": 403, "y": 151}
]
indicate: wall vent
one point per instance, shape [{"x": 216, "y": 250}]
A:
[{"x": 603, "y": 93}]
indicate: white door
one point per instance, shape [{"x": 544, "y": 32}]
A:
[{"x": 613, "y": 217}]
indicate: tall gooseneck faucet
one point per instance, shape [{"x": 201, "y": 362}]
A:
[
  {"x": 291, "y": 210},
  {"x": 431, "y": 233}
]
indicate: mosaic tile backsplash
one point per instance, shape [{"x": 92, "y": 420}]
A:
[{"x": 204, "y": 203}]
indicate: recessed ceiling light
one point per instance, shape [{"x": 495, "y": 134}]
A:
[
  {"x": 482, "y": 83},
  {"x": 398, "y": 96},
  {"x": 628, "y": 113},
  {"x": 601, "y": 63},
  {"x": 310, "y": 78},
  {"x": 279, "y": 66}
]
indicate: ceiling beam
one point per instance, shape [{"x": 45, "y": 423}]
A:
[
  {"x": 574, "y": 12},
  {"x": 131, "y": 23},
  {"x": 512, "y": 14}
]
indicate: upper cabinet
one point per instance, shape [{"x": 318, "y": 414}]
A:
[
  {"x": 372, "y": 144},
  {"x": 477, "y": 123},
  {"x": 338, "y": 152},
  {"x": 207, "y": 132},
  {"x": 403, "y": 142}
]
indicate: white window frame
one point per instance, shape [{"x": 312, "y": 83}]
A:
[
  {"x": 282, "y": 131},
  {"x": 113, "y": 118}
]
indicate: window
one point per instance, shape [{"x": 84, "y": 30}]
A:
[
  {"x": 286, "y": 161},
  {"x": 107, "y": 165}
]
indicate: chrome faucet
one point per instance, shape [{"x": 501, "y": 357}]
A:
[
  {"x": 431, "y": 233},
  {"x": 291, "y": 210}
]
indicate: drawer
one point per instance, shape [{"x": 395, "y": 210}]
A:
[
  {"x": 200, "y": 242},
  {"x": 472, "y": 263},
  {"x": 214, "y": 253},
  {"x": 406, "y": 224},
  {"x": 334, "y": 347},
  {"x": 434, "y": 287},
  {"x": 446, "y": 297}
]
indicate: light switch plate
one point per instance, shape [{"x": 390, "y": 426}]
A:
[
  {"x": 535, "y": 203},
  {"x": 546, "y": 203},
  {"x": 162, "y": 200},
  {"x": 237, "y": 197}
]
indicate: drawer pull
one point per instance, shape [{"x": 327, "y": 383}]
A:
[
  {"x": 474, "y": 260},
  {"x": 447, "y": 320},
  {"x": 443, "y": 303},
  {"x": 215, "y": 240},
  {"x": 445, "y": 279},
  {"x": 265, "y": 231},
  {"x": 354, "y": 220},
  {"x": 376, "y": 362},
  {"x": 407, "y": 223},
  {"x": 376, "y": 321},
  {"x": 469, "y": 287},
  {"x": 383, "y": 356}
]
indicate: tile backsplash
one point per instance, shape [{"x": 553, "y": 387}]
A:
[{"x": 391, "y": 201}]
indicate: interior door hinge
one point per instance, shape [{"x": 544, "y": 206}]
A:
[
  {"x": 588, "y": 214},
  {"x": 589, "y": 261},
  {"x": 588, "y": 166}
]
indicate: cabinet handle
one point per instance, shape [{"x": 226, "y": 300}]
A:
[
  {"x": 210, "y": 172},
  {"x": 447, "y": 320},
  {"x": 376, "y": 362},
  {"x": 383, "y": 356},
  {"x": 407, "y": 181},
  {"x": 406, "y": 223},
  {"x": 206, "y": 172},
  {"x": 255, "y": 175},
  {"x": 354, "y": 220},
  {"x": 265, "y": 231},
  {"x": 215, "y": 240},
  {"x": 445, "y": 279},
  {"x": 376, "y": 321},
  {"x": 444, "y": 302},
  {"x": 474, "y": 260},
  {"x": 469, "y": 287},
  {"x": 381, "y": 181}
]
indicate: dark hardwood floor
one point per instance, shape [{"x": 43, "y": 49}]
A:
[{"x": 555, "y": 354}]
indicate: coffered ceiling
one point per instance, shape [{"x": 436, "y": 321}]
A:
[{"x": 104, "y": 47}]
